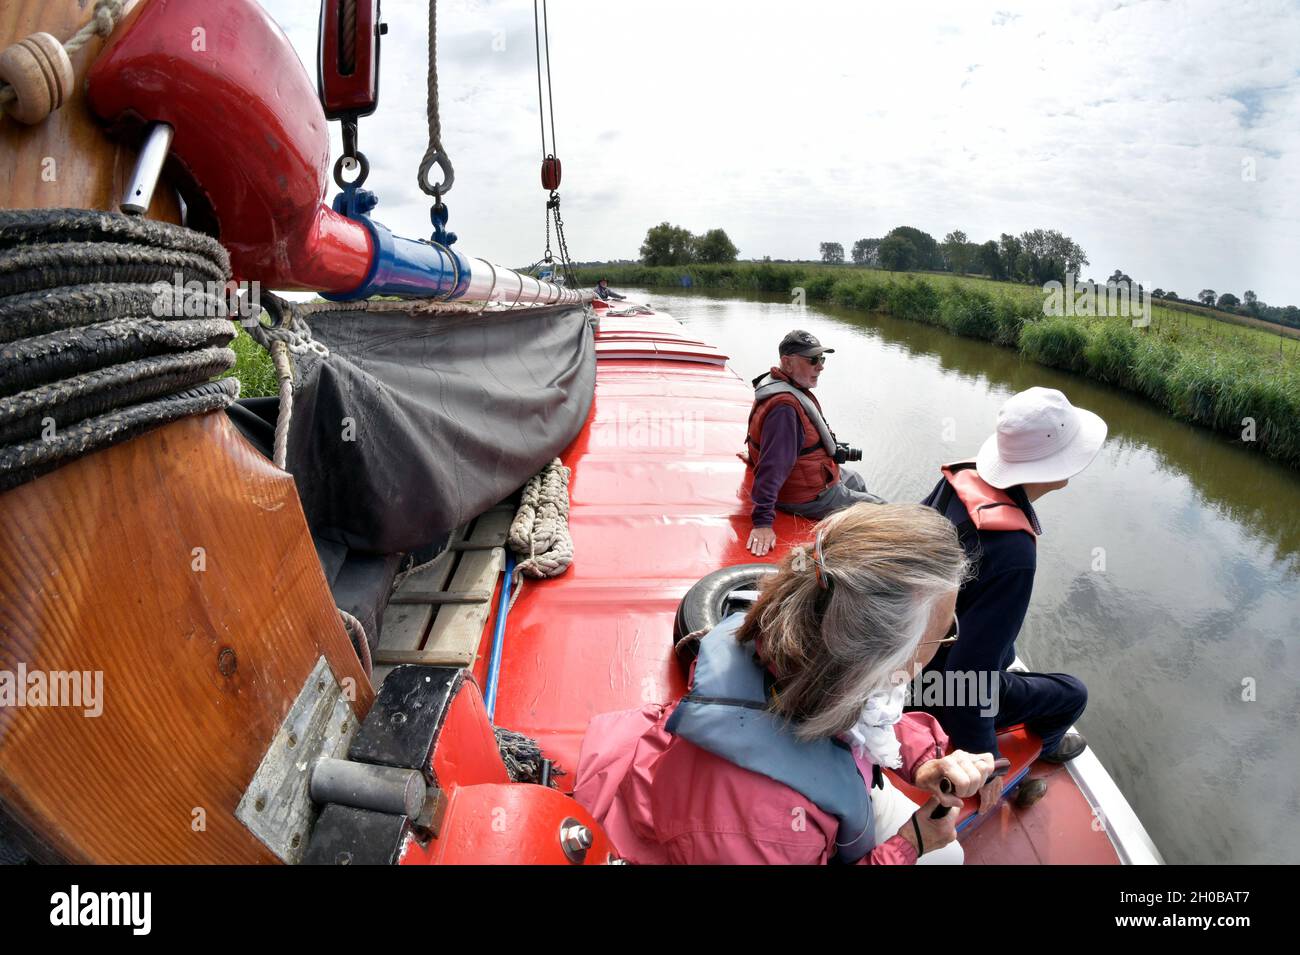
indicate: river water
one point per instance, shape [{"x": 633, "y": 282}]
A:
[{"x": 1168, "y": 573}]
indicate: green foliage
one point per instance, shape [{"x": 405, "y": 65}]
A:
[
  {"x": 667, "y": 244},
  {"x": 832, "y": 253},
  {"x": 715, "y": 247},
  {"x": 897, "y": 254},
  {"x": 1057, "y": 342},
  {"x": 253, "y": 368}
]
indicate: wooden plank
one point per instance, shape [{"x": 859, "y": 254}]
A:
[
  {"x": 458, "y": 628},
  {"x": 439, "y": 597},
  {"x": 434, "y": 657},
  {"x": 405, "y": 625}
]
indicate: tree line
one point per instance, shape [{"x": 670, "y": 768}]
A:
[
  {"x": 667, "y": 244},
  {"x": 1036, "y": 256}
]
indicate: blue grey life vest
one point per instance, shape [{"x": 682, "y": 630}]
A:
[
  {"x": 725, "y": 713},
  {"x": 765, "y": 386}
]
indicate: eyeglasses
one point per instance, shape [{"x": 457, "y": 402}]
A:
[
  {"x": 817, "y": 360},
  {"x": 954, "y": 631}
]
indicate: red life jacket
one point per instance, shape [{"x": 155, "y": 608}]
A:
[
  {"x": 814, "y": 470},
  {"x": 989, "y": 508}
]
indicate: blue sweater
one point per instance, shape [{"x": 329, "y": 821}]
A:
[{"x": 778, "y": 447}]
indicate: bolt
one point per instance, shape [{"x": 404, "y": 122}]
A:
[
  {"x": 227, "y": 663},
  {"x": 575, "y": 838}
]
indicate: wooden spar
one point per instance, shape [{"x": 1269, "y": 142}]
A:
[
  {"x": 65, "y": 160},
  {"x": 100, "y": 572}
]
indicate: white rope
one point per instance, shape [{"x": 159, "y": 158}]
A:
[
  {"x": 284, "y": 371},
  {"x": 539, "y": 534},
  {"x": 102, "y": 21}
]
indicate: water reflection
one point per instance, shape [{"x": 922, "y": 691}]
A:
[{"x": 1169, "y": 572}]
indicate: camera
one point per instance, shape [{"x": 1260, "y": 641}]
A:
[{"x": 844, "y": 453}]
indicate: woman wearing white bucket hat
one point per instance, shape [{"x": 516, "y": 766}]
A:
[{"x": 1040, "y": 443}]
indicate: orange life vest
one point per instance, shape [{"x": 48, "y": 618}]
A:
[
  {"x": 990, "y": 509},
  {"x": 814, "y": 470}
]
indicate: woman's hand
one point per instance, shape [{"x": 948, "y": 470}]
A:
[
  {"x": 991, "y": 793},
  {"x": 966, "y": 771},
  {"x": 935, "y": 833}
]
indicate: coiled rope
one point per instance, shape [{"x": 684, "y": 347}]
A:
[
  {"x": 539, "y": 534},
  {"x": 109, "y": 326}
]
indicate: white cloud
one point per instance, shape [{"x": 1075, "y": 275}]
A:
[{"x": 1123, "y": 125}]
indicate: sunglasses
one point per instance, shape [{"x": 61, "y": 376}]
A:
[{"x": 819, "y": 360}]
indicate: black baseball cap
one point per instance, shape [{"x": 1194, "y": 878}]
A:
[{"x": 799, "y": 342}]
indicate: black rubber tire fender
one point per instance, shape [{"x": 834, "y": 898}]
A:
[{"x": 705, "y": 604}]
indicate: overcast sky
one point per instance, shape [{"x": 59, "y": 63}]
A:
[{"x": 1164, "y": 137}]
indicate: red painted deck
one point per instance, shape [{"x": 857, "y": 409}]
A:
[{"x": 658, "y": 500}]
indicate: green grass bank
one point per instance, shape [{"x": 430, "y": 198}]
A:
[{"x": 1241, "y": 381}]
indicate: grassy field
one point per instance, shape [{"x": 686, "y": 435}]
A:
[{"x": 1241, "y": 380}]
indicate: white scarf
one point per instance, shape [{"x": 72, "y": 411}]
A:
[{"x": 873, "y": 736}]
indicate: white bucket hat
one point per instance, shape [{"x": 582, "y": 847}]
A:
[{"x": 1041, "y": 437}]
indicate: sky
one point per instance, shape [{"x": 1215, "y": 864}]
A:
[{"x": 1163, "y": 136}]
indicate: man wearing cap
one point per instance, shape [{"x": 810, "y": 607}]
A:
[
  {"x": 1041, "y": 442},
  {"x": 605, "y": 293},
  {"x": 791, "y": 450}
]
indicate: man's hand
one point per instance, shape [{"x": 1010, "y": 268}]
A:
[{"x": 761, "y": 540}]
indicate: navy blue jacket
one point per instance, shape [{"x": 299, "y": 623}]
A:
[{"x": 991, "y": 609}]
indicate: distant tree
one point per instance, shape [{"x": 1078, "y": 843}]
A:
[
  {"x": 1158, "y": 293},
  {"x": 1228, "y": 301},
  {"x": 715, "y": 246},
  {"x": 1252, "y": 303},
  {"x": 1117, "y": 276},
  {"x": 1009, "y": 251},
  {"x": 955, "y": 251},
  {"x": 1051, "y": 244},
  {"x": 1171, "y": 295},
  {"x": 898, "y": 254},
  {"x": 866, "y": 252},
  {"x": 667, "y": 245},
  {"x": 832, "y": 253},
  {"x": 1207, "y": 297},
  {"x": 925, "y": 249},
  {"x": 990, "y": 258}
]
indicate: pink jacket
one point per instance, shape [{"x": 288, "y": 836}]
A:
[{"x": 664, "y": 800}]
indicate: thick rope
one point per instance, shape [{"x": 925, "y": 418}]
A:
[
  {"x": 283, "y": 371},
  {"x": 101, "y": 22},
  {"x": 109, "y": 326},
  {"x": 539, "y": 534},
  {"x": 523, "y": 758},
  {"x": 434, "y": 153},
  {"x": 357, "y": 634}
]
